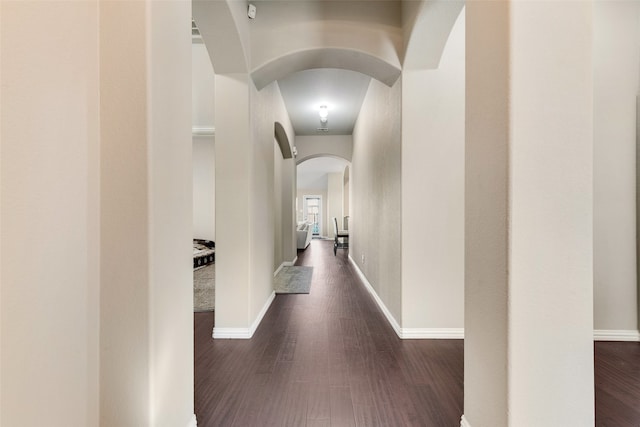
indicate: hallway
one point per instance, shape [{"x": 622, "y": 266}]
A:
[
  {"x": 327, "y": 358},
  {"x": 331, "y": 359}
]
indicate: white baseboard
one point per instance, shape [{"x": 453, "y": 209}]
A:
[
  {"x": 432, "y": 333},
  {"x": 392, "y": 321},
  {"x": 285, "y": 264},
  {"x": 231, "y": 333},
  {"x": 193, "y": 422},
  {"x": 464, "y": 422},
  {"x": 458, "y": 333},
  {"x": 265, "y": 307},
  {"x": 203, "y": 131},
  {"x": 244, "y": 333},
  {"x": 275, "y": 273},
  {"x": 408, "y": 333},
  {"x": 616, "y": 335}
]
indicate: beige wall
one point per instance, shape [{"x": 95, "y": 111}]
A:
[
  {"x": 345, "y": 191},
  {"x": 267, "y": 107},
  {"x": 284, "y": 204},
  {"x": 102, "y": 184},
  {"x": 278, "y": 256},
  {"x": 233, "y": 165},
  {"x": 125, "y": 270},
  {"x": 50, "y": 213},
  {"x": 335, "y": 185},
  {"x": 146, "y": 138},
  {"x": 204, "y": 188},
  {"x": 289, "y": 184},
  {"x": 616, "y": 70},
  {"x": 245, "y": 205},
  {"x": 294, "y": 32},
  {"x": 529, "y": 214},
  {"x": 202, "y": 87},
  {"x": 202, "y": 122},
  {"x": 310, "y": 146},
  {"x": 375, "y": 234},
  {"x": 170, "y": 209},
  {"x": 433, "y": 191}
]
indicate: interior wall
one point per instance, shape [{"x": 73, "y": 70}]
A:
[
  {"x": 124, "y": 339},
  {"x": 204, "y": 188},
  {"x": 287, "y": 27},
  {"x": 335, "y": 186},
  {"x": 202, "y": 87},
  {"x": 267, "y": 107},
  {"x": 433, "y": 120},
  {"x": 233, "y": 154},
  {"x": 375, "y": 234},
  {"x": 146, "y": 218},
  {"x": 289, "y": 238},
  {"x": 616, "y": 68},
  {"x": 170, "y": 209},
  {"x": 94, "y": 126},
  {"x": 203, "y": 120},
  {"x": 345, "y": 192},
  {"x": 278, "y": 257},
  {"x": 310, "y": 146},
  {"x": 49, "y": 214},
  {"x": 528, "y": 214}
]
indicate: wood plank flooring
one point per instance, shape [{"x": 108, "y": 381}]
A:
[
  {"x": 331, "y": 359},
  {"x": 617, "y": 384}
]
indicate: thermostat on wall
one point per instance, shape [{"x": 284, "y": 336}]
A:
[{"x": 251, "y": 13}]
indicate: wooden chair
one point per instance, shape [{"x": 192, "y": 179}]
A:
[{"x": 339, "y": 234}]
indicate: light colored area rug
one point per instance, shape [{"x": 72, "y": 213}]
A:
[
  {"x": 293, "y": 280},
  {"x": 204, "y": 288}
]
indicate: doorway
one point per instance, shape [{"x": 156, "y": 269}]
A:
[{"x": 312, "y": 213}]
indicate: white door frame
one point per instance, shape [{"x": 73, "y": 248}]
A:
[{"x": 304, "y": 210}]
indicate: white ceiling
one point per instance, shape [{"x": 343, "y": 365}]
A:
[
  {"x": 312, "y": 173},
  {"x": 341, "y": 90}
]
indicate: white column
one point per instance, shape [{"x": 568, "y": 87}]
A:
[
  {"x": 335, "y": 186},
  {"x": 289, "y": 209},
  {"x": 529, "y": 214},
  {"x": 146, "y": 298},
  {"x": 170, "y": 213},
  {"x": 233, "y": 209}
]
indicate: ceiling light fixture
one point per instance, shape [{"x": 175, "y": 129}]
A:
[{"x": 324, "y": 113}]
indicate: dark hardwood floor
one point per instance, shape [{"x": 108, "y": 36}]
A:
[
  {"x": 617, "y": 380},
  {"x": 331, "y": 359}
]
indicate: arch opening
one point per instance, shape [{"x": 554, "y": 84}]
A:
[
  {"x": 427, "y": 37},
  {"x": 347, "y": 59}
]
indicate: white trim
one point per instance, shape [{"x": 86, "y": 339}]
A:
[
  {"x": 203, "y": 131},
  {"x": 464, "y": 422},
  {"x": 616, "y": 335},
  {"x": 320, "y": 214},
  {"x": 265, "y": 307},
  {"x": 392, "y": 321},
  {"x": 244, "y": 333},
  {"x": 193, "y": 422},
  {"x": 432, "y": 333},
  {"x": 231, "y": 333},
  {"x": 285, "y": 264},
  {"x": 275, "y": 273}
]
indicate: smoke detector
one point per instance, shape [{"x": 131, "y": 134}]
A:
[{"x": 251, "y": 12}]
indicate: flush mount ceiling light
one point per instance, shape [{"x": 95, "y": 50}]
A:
[{"x": 324, "y": 113}]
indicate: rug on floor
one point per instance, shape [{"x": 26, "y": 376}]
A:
[
  {"x": 204, "y": 285},
  {"x": 293, "y": 280}
]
